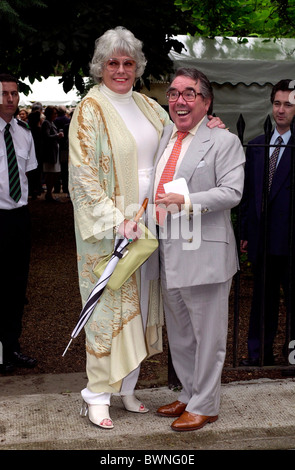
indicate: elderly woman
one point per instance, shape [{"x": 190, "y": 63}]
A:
[{"x": 113, "y": 138}]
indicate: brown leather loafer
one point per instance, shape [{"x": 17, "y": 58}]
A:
[
  {"x": 191, "y": 421},
  {"x": 173, "y": 410}
]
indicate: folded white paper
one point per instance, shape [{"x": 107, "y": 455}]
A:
[{"x": 178, "y": 186}]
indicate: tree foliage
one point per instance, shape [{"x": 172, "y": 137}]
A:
[
  {"x": 241, "y": 18},
  {"x": 41, "y": 38}
]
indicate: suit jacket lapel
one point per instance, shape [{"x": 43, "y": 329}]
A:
[
  {"x": 258, "y": 171},
  {"x": 196, "y": 152},
  {"x": 282, "y": 172}
]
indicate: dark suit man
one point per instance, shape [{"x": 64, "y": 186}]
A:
[
  {"x": 197, "y": 266},
  {"x": 277, "y": 243}
]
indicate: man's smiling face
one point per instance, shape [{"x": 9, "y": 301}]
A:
[
  {"x": 186, "y": 115},
  {"x": 283, "y": 110}
]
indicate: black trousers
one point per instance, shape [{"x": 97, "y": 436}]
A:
[
  {"x": 15, "y": 247},
  {"x": 277, "y": 277}
]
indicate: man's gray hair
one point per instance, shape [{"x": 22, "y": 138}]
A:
[
  {"x": 205, "y": 86},
  {"x": 116, "y": 41}
]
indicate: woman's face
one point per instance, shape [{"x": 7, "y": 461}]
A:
[
  {"x": 53, "y": 115},
  {"x": 23, "y": 115},
  {"x": 119, "y": 73}
]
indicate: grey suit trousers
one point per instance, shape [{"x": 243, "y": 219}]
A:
[{"x": 197, "y": 323}]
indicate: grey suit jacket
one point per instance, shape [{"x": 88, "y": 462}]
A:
[{"x": 213, "y": 168}]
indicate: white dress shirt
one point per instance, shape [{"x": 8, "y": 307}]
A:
[
  {"x": 26, "y": 159},
  {"x": 273, "y": 139}
]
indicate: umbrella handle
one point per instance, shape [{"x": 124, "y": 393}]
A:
[{"x": 141, "y": 210}]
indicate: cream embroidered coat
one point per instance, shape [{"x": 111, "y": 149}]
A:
[{"x": 103, "y": 183}]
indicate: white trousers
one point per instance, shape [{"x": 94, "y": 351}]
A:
[{"x": 130, "y": 381}]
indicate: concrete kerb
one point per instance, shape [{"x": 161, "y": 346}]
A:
[{"x": 42, "y": 413}]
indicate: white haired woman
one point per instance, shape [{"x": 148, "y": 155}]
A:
[{"x": 113, "y": 138}]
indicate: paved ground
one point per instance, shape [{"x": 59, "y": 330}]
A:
[{"x": 41, "y": 412}]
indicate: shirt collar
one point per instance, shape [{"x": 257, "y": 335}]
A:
[
  {"x": 3, "y": 124},
  {"x": 286, "y": 136},
  {"x": 191, "y": 131}
]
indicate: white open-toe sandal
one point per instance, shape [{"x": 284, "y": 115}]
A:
[
  {"x": 98, "y": 414},
  {"x": 132, "y": 404}
]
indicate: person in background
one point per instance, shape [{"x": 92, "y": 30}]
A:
[
  {"x": 50, "y": 152},
  {"x": 37, "y": 106},
  {"x": 62, "y": 124},
  {"x": 35, "y": 176},
  {"x": 113, "y": 138},
  {"x": 23, "y": 115},
  {"x": 17, "y": 159},
  {"x": 278, "y": 229},
  {"x": 196, "y": 276}
]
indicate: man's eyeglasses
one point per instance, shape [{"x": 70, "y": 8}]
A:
[
  {"x": 114, "y": 64},
  {"x": 187, "y": 95}
]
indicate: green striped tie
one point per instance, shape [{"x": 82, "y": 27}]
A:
[{"x": 14, "y": 183}]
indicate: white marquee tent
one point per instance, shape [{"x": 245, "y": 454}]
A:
[
  {"x": 242, "y": 75},
  {"x": 49, "y": 92}
]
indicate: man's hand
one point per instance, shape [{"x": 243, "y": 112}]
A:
[
  {"x": 172, "y": 201},
  {"x": 244, "y": 246}
]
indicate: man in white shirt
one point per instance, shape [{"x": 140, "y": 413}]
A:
[
  {"x": 196, "y": 282},
  {"x": 278, "y": 229},
  {"x": 17, "y": 157}
]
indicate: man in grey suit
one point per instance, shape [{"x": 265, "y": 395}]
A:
[{"x": 196, "y": 274}]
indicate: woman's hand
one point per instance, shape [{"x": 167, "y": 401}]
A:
[
  {"x": 130, "y": 230},
  {"x": 215, "y": 121}
]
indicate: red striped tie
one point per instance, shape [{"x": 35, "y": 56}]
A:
[{"x": 169, "y": 169}]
